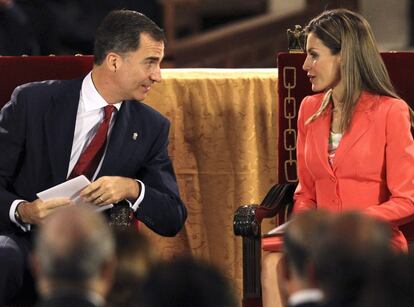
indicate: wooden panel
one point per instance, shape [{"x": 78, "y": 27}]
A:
[{"x": 250, "y": 43}]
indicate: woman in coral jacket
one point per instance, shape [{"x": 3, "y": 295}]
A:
[{"x": 355, "y": 150}]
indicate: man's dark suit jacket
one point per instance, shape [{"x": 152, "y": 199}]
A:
[{"x": 36, "y": 135}]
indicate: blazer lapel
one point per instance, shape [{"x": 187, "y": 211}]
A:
[
  {"x": 60, "y": 125},
  {"x": 361, "y": 121},
  {"x": 320, "y": 137}
]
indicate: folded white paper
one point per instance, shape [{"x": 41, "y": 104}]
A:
[
  {"x": 70, "y": 189},
  {"x": 279, "y": 230}
]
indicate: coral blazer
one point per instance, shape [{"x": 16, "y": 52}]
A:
[{"x": 373, "y": 168}]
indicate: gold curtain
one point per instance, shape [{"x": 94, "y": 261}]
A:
[{"x": 223, "y": 143}]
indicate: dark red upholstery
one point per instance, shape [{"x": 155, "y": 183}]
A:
[
  {"x": 17, "y": 70},
  {"x": 293, "y": 86}
]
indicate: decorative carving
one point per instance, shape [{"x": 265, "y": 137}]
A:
[
  {"x": 296, "y": 40},
  {"x": 120, "y": 216},
  {"x": 289, "y": 113},
  {"x": 245, "y": 223}
]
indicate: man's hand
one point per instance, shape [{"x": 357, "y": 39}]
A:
[
  {"x": 111, "y": 189},
  {"x": 36, "y": 211}
]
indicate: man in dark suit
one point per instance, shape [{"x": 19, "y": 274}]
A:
[
  {"x": 76, "y": 269},
  {"x": 47, "y": 127}
]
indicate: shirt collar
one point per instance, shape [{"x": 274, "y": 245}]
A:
[
  {"x": 90, "y": 98},
  {"x": 306, "y": 296}
]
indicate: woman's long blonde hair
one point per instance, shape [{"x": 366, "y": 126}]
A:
[{"x": 362, "y": 68}]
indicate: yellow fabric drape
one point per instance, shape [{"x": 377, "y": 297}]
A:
[{"x": 223, "y": 143}]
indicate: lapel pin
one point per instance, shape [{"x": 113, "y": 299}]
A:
[{"x": 134, "y": 136}]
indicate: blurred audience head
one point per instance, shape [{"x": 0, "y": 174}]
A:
[
  {"x": 120, "y": 32},
  {"x": 391, "y": 285},
  {"x": 74, "y": 250},
  {"x": 186, "y": 282},
  {"x": 348, "y": 254},
  {"x": 300, "y": 241},
  {"x": 134, "y": 259}
]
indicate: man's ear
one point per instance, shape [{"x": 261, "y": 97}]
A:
[{"x": 113, "y": 61}]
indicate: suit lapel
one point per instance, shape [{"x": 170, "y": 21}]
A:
[
  {"x": 122, "y": 136},
  {"x": 320, "y": 137},
  {"x": 362, "y": 120},
  {"x": 60, "y": 125}
]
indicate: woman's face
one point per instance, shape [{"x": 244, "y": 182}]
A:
[{"x": 322, "y": 66}]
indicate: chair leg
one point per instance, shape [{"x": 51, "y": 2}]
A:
[{"x": 252, "y": 302}]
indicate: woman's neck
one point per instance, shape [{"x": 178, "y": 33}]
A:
[
  {"x": 336, "y": 98},
  {"x": 336, "y": 118}
]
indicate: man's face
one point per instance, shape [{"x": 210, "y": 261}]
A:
[{"x": 140, "y": 69}]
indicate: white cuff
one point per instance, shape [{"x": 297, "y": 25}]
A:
[
  {"x": 140, "y": 198},
  {"x": 13, "y": 207}
]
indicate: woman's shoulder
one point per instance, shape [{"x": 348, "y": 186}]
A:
[
  {"x": 311, "y": 103},
  {"x": 392, "y": 101},
  {"x": 387, "y": 103}
]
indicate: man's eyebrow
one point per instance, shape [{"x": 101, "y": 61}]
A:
[{"x": 153, "y": 58}]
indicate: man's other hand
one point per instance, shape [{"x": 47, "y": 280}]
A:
[{"x": 36, "y": 211}]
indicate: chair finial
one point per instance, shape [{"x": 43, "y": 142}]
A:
[{"x": 296, "y": 40}]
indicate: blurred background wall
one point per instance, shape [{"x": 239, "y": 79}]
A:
[{"x": 201, "y": 33}]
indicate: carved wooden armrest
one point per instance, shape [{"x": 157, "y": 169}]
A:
[
  {"x": 247, "y": 223},
  {"x": 248, "y": 218}
]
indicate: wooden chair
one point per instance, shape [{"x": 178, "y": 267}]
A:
[{"x": 293, "y": 86}]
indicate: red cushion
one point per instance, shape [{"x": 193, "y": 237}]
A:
[
  {"x": 17, "y": 70},
  {"x": 272, "y": 244}
]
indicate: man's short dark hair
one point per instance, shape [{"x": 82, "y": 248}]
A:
[
  {"x": 120, "y": 32},
  {"x": 301, "y": 236}
]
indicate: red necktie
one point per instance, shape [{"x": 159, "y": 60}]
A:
[{"x": 91, "y": 156}]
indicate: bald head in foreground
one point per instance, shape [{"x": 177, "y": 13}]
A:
[{"x": 74, "y": 258}]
